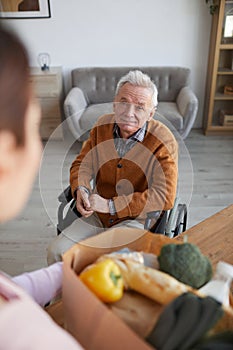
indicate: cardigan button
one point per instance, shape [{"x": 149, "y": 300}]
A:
[
  {"x": 119, "y": 165},
  {"x": 111, "y": 221}
]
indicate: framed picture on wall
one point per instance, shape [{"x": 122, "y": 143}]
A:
[{"x": 25, "y": 9}]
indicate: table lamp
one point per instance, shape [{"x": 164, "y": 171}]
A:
[{"x": 44, "y": 61}]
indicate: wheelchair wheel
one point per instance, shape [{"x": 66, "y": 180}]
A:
[{"x": 181, "y": 221}]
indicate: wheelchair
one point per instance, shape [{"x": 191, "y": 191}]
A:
[{"x": 170, "y": 223}]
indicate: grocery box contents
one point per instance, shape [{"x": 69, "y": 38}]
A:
[{"x": 121, "y": 286}]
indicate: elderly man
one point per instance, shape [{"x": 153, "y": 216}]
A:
[{"x": 133, "y": 161}]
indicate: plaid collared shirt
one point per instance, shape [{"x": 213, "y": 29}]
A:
[{"x": 124, "y": 145}]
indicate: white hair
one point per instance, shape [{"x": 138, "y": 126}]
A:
[{"x": 138, "y": 78}]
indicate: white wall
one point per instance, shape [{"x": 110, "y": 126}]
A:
[{"x": 125, "y": 32}]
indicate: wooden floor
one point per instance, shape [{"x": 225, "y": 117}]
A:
[{"x": 23, "y": 242}]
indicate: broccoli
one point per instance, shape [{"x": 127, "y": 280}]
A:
[{"x": 186, "y": 263}]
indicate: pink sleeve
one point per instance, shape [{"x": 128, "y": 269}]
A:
[
  {"x": 42, "y": 285},
  {"x": 25, "y": 325}
]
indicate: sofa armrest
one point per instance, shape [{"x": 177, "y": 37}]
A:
[
  {"x": 187, "y": 104},
  {"x": 74, "y": 103},
  {"x": 74, "y": 106}
]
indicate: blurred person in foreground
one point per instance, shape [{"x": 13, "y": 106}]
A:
[{"x": 23, "y": 323}]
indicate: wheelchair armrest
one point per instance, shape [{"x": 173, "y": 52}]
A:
[
  {"x": 66, "y": 195},
  {"x": 65, "y": 218},
  {"x": 152, "y": 215}
]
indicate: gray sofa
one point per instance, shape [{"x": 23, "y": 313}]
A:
[{"x": 93, "y": 90}]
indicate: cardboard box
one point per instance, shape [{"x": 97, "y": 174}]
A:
[
  {"x": 228, "y": 90},
  {"x": 86, "y": 318},
  {"x": 90, "y": 321},
  {"x": 226, "y": 118}
]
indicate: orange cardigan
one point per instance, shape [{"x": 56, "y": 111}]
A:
[{"x": 144, "y": 180}]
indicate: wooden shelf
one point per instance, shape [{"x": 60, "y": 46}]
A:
[
  {"x": 219, "y": 130},
  {"x": 223, "y": 97},
  {"x": 225, "y": 71},
  {"x": 219, "y": 74},
  {"x": 226, "y": 46}
]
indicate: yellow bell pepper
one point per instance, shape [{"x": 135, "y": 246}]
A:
[{"x": 104, "y": 279}]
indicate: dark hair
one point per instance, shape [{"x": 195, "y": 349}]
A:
[{"x": 14, "y": 84}]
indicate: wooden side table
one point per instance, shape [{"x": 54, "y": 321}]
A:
[{"x": 48, "y": 87}]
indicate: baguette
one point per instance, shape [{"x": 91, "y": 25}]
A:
[{"x": 152, "y": 283}]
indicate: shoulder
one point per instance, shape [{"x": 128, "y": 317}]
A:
[
  {"x": 105, "y": 120},
  {"x": 160, "y": 131},
  {"x": 103, "y": 128},
  {"x": 104, "y": 123},
  {"x": 160, "y": 135}
]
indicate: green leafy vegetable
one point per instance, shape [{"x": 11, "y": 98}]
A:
[{"x": 186, "y": 263}]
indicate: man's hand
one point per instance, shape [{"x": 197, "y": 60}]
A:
[
  {"x": 83, "y": 203},
  {"x": 99, "y": 203}
]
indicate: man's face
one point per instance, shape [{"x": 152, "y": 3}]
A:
[{"x": 133, "y": 107}]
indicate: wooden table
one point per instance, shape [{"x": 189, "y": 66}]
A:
[{"x": 214, "y": 237}]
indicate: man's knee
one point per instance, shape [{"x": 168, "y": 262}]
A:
[
  {"x": 77, "y": 231},
  {"x": 57, "y": 248}
]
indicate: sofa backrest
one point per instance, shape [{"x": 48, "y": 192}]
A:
[{"x": 99, "y": 83}]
